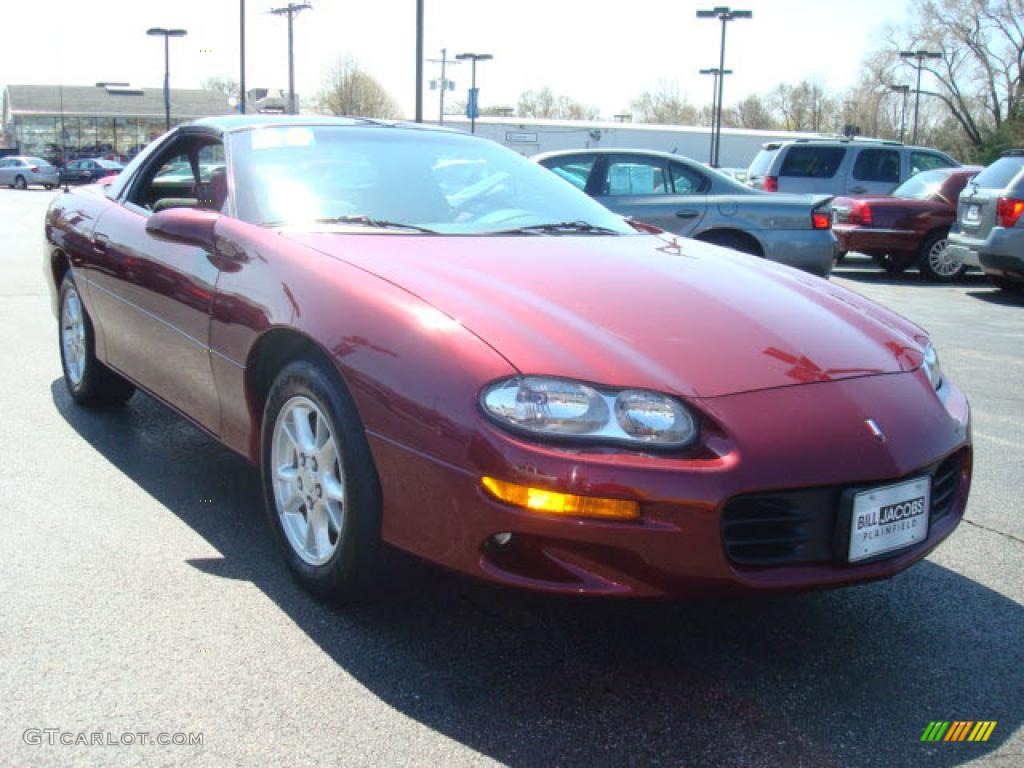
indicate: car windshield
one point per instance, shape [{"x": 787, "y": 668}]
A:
[
  {"x": 1000, "y": 173},
  {"x": 759, "y": 167},
  {"x": 922, "y": 186},
  {"x": 405, "y": 181}
]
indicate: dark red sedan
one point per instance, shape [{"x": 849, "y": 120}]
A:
[
  {"x": 908, "y": 227},
  {"x": 498, "y": 374}
]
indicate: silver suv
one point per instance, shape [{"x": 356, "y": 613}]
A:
[
  {"x": 989, "y": 232},
  {"x": 840, "y": 166}
]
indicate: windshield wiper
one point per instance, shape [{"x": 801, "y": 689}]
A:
[
  {"x": 368, "y": 221},
  {"x": 563, "y": 226}
]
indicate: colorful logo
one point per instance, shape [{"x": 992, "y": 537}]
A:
[{"x": 958, "y": 730}]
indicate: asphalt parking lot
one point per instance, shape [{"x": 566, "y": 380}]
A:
[{"x": 140, "y": 592}]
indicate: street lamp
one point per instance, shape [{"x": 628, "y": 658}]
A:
[
  {"x": 473, "y": 107},
  {"x": 725, "y": 15},
  {"x": 167, "y": 34},
  {"x": 714, "y": 71},
  {"x": 919, "y": 57},
  {"x": 290, "y": 10},
  {"x": 905, "y": 90}
]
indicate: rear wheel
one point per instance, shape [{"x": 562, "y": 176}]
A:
[
  {"x": 20, "y": 183},
  {"x": 88, "y": 380},
  {"x": 320, "y": 484},
  {"x": 734, "y": 240},
  {"x": 937, "y": 262}
]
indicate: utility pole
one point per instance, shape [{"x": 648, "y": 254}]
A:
[
  {"x": 473, "y": 104},
  {"x": 167, "y": 34},
  {"x": 444, "y": 83},
  {"x": 715, "y": 117},
  {"x": 919, "y": 57},
  {"x": 291, "y": 10},
  {"x": 241, "y": 56},
  {"x": 725, "y": 15}
]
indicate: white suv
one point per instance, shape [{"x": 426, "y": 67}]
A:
[{"x": 840, "y": 166}]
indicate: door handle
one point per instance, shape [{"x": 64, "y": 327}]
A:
[
  {"x": 687, "y": 213},
  {"x": 99, "y": 242}
]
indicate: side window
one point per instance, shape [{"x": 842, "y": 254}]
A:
[
  {"x": 686, "y": 181},
  {"x": 5, "y": 163},
  {"x": 636, "y": 176},
  {"x": 169, "y": 181},
  {"x": 575, "y": 169},
  {"x": 812, "y": 162},
  {"x": 877, "y": 165},
  {"x": 926, "y": 161}
]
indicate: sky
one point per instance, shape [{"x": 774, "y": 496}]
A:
[{"x": 599, "y": 52}]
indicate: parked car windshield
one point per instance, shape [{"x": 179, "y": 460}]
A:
[
  {"x": 443, "y": 182},
  {"x": 922, "y": 186},
  {"x": 1000, "y": 173}
]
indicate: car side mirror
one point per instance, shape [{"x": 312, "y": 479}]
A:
[{"x": 190, "y": 226}]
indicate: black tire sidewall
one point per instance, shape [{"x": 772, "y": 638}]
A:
[
  {"x": 348, "y": 572},
  {"x": 20, "y": 182}
]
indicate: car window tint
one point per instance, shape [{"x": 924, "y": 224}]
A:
[
  {"x": 211, "y": 159},
  {"x": 1000, "y": 173},
  {"x": 575, "y": 169},
  {"x": 877, "y": 165},
  {"x": 635, "y": 176},
  {"x": 812, "y": 162},
  {"x": 926, "y": 161},
  {"x": 686, "y": 181}
]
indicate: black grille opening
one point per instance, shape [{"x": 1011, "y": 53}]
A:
[{"x": 799, "y": 527}]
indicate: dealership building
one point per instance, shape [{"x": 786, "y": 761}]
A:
[{"x": 95, "y": 121}]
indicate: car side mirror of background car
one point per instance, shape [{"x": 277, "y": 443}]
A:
[{"x": 190, "y": 226}]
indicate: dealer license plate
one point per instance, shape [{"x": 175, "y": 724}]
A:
[
  {"x": 889, "y": 518},
  {"x": 972, "y": 215}
]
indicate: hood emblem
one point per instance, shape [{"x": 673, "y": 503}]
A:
[{"x": 875, "y": 430}]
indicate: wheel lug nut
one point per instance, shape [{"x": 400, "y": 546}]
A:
[
  {"x": 302, "y": 459},
  {"x": 314, "y": 465},
  {"x": 300, "y": 482},
  {"x": 319, "y": 491}
]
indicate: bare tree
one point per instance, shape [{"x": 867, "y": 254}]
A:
[
  {"x": 752, "y": 112},
  {"x": 804, "y": 106},
  {"x": 349, "y": 90},
  {"x": 664, "y": 105},
  {"x": 225, "y": 85},
  {"x": 545, "y": 103}
]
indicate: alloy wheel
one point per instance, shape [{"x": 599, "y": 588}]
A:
[
  {"x": 72, "y": 336},
  {"x": 308, "y": 480},
  {"x": 942, "y": 261}
]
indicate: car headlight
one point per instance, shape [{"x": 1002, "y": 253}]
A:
[
  {"x": 560, "y": 408},
  {"x": 931, "y": 366}
]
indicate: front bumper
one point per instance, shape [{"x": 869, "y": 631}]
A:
[
  {"x": 801, "y": 437},
  {"x": 812, "y": 250}
]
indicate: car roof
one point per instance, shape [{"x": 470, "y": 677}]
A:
[
  {"x": 612, "y": 151},
  {"x": 235, "y": 123}
]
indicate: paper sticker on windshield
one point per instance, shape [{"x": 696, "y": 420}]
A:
[{"x": 272, "y": 138}]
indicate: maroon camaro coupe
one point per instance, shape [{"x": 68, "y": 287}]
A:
[
  {"x": 491, "y": 371},
  {"x": 908, "y": 227}
]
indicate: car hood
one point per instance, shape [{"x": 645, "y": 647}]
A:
[{"x": 654, "y": 312}]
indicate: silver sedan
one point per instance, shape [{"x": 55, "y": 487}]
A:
[
  {"x": 686, "y": 198},
  {"x": 20, "y": 171}
]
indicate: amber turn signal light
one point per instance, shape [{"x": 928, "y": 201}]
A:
[{"x": 562, "y": 504}]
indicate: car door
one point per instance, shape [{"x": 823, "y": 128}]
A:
[
  {"x": 652, "y": 189},
  {"x": 155, "y": 296},
  {"x": 876, "y": 171},
  {"x": 6, "y": 177}
]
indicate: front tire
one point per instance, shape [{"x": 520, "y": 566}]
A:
[
  {"x": 89, "y": 382},
  {"x": 320, "y": 485},
  {"x": 20, "y": 183},
  {"x": 936, "y": 262}
]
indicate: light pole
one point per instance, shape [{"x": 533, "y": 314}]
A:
[
  {"x": 725, "y": 15},
  {"x": 241, "y": 56},
  {"x": 167, "y": 34},
  {"x": 473, "y": 106},
  {"x": 919, "y": 57},
  {"x": 905, "y": 90},
  {"x": 419, "y": 62},
  {"x": 714, "y": 72},
  {"x": 290, "y": 10}
]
